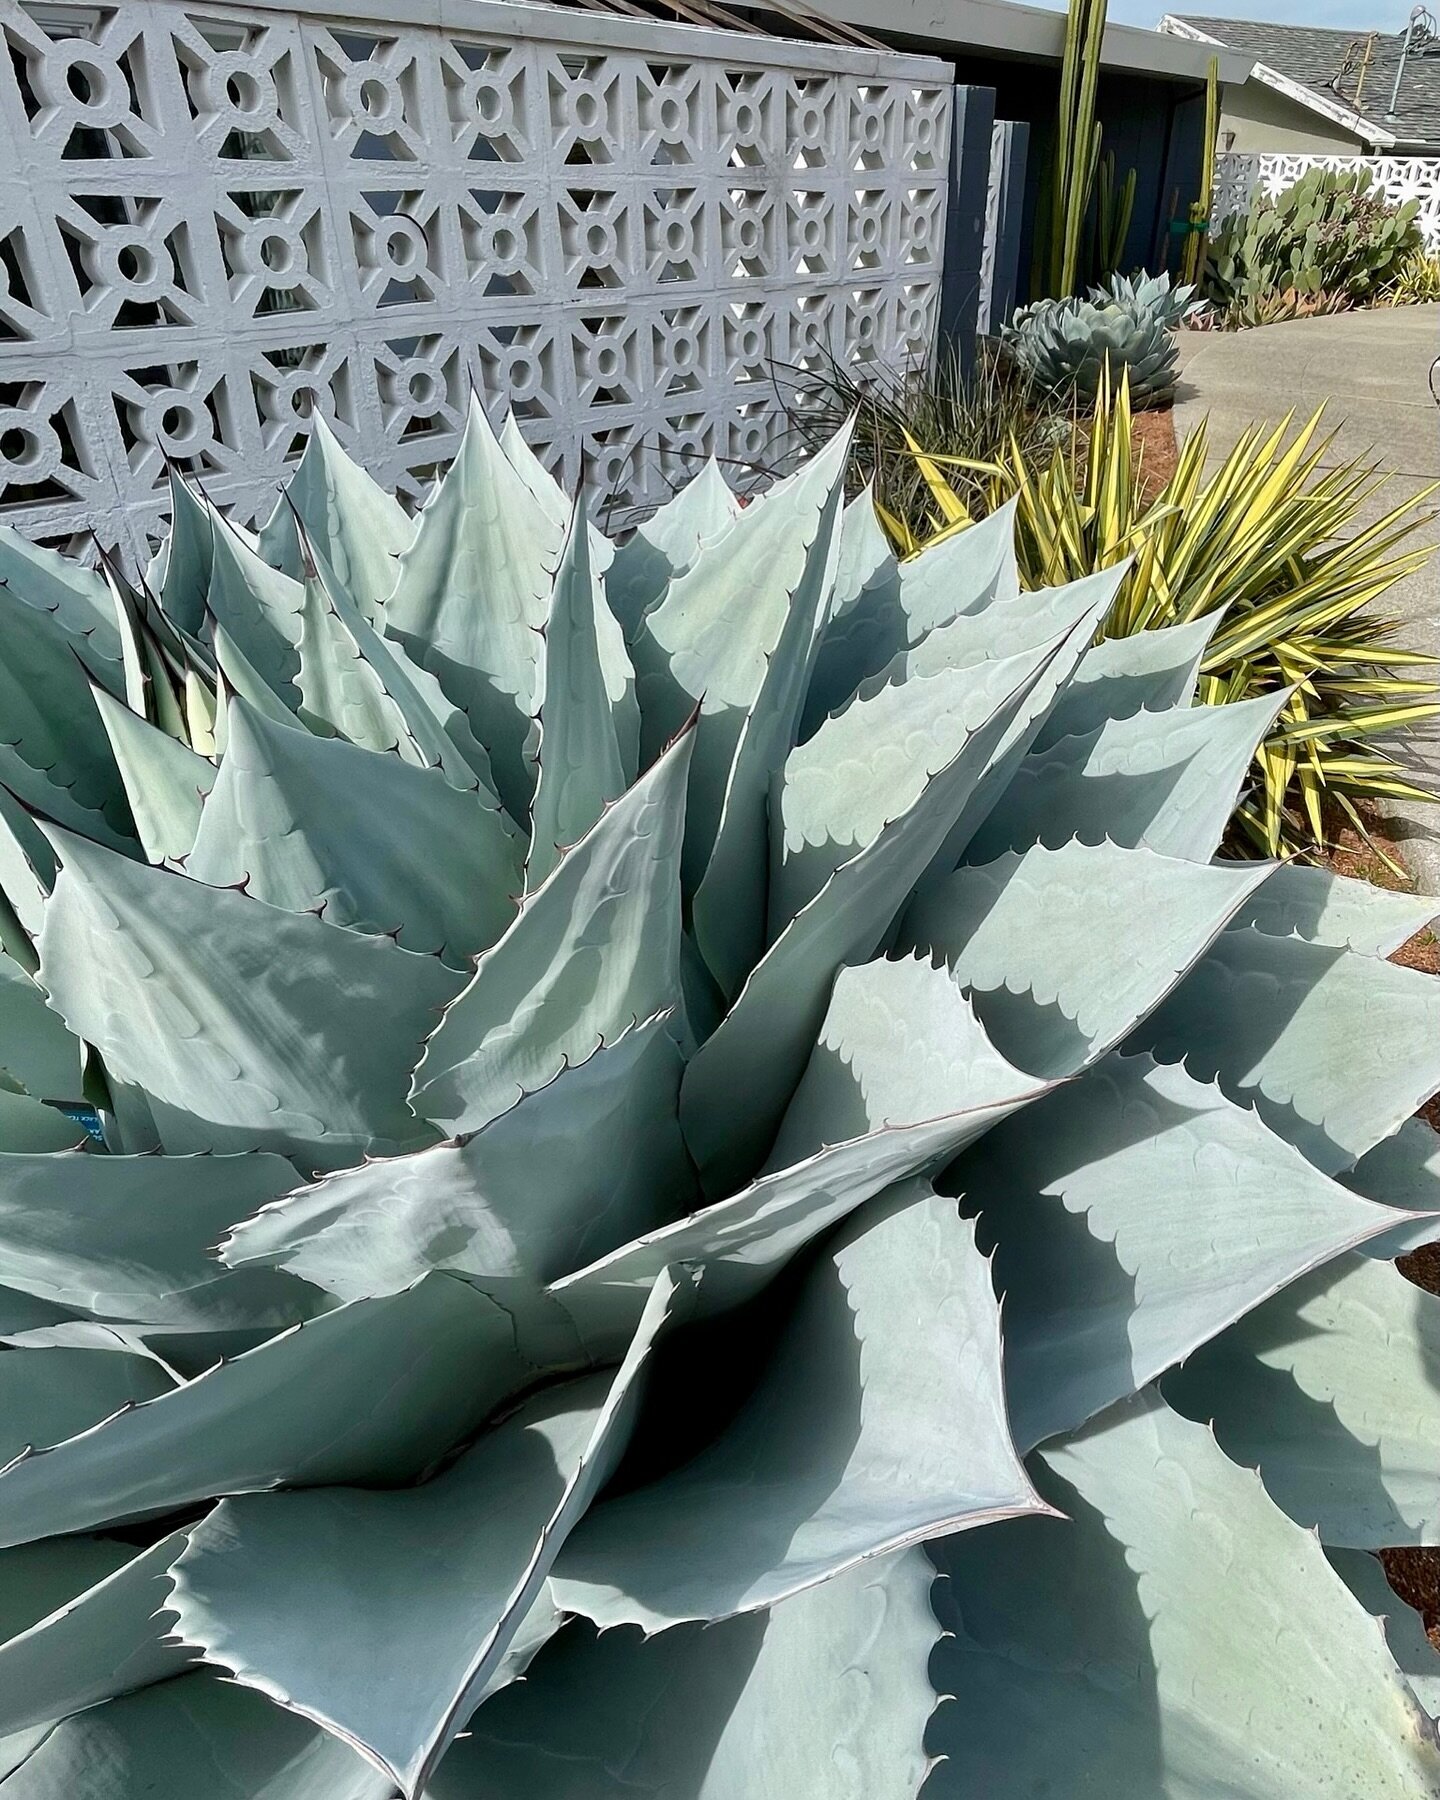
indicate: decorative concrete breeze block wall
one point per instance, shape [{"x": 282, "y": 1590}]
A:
[
  {"x": 1237, "y": 175},
  {"x": 213, "y": 218}
]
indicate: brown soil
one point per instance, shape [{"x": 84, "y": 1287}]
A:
[
  {"x": 1152, "y": 438},
  {"x": 1415, "y": 1577}
]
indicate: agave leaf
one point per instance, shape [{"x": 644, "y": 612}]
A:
[
  {"x": 38, "y": 1056},
  {"x": 738, "y": 1085},
  {"x": 1150, "y": 671},
  {"x": 237, "y": 675},
  {"x": 131, "y": 1237},
  {"x": 41, "y": 1579},
  {"x": 22, "y": 1312},
  {"x": 126, "y": 1115},
  {"x": 614, "y": 658},
  {"x": 826, "y": 1695},
  {"x": 708, "y": 642},
  {"x": 743, "y": 1241},
  {"x": 28, "y": 1125},
  {"x": 55, "y": 755},
  {"x": 1006, "y": 628},
  {"x": 156, "y": 1741},
  {"x": 580, "y": 771},
  {"x": 869, "y": 764},
  {"x": 1346, "y": 1438},
  {"x": 520, "y": 454},
  {"x": 180, "y": 1352},
  {"x": 75, "y": 598},
  {"x": 1275, "y": 1022},
  {"x": 200, "y": 713},
  {"x": 867, "y": 628},
  {"x": 1045, "y": 941},
  {"x": 900, "y": 1046},
  {"x": 1325, "y": 908},
  {"x": 103, "y": 1639},
  {"x": 523, "y": 1200},
  {"x": 189, "y": 553},
  {"x": 969, "y": 572},
  {"x": 594, "y": 949},
  {"x": 147, "y": 679},
  {"x": 358, "y": 528},
  {"x": 818, "y": 1470},
  {"x": 1402, "y": 1171},
  {"x": 27, "y": 874},
  {"x": 1091, "y": 1643},
  {"x": 356, "y": 684},
  {"x": 258, "y": 608},
  {"x": 1167, "y": 780},
  {"x": 543, "y": 486},
  {"x": 1087, "y": 603},
  {"x": 201, "y": 997},
  {"x": 1115, "y": 1284},
  {"x": 451, "y": 1569},
  {"x": 1415, "y": 1655},
  {"x": 72, "y": 1333},
  {"x": 668, "y": 544},
  {"x": 373, "y": 1392},
  {"x": 728, "y": 909},
  {"x": 481, "y": 533},
  {"x": 165, "y": 781},
  {"x": 293, "y": 818},
  {"x": 50, "y": 1393}
]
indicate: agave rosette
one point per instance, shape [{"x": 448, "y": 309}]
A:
[
  {"x": 1070, "y": 346},
  {"x": 528, "y": 1065}
]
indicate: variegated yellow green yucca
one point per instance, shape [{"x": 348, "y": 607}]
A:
[
  {"x": 1287, "y": 556},
  {"x": 529, "y": 1066}
]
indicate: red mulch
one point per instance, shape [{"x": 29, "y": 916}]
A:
[
  {"x": 1415, "y": 1577},
  {"x": 1152, "y": 437}
]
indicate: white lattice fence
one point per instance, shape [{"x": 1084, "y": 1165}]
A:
[
  {"x": 212, "y": 218},
  {"x": 1238, "y": 174}
]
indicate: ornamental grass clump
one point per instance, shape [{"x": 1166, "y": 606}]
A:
[{"x": 529, "y": 1066}]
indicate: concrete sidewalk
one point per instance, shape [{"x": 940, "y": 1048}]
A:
[{"x": 1372, "y": 368}]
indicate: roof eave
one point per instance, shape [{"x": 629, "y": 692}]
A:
[
  {"x": 1335, "y": 111},
  {"x": 1030, "y": 32}
]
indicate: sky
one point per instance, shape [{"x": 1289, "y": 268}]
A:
[{"x": 1344, "y": 15}]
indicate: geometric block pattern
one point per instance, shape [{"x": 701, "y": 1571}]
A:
[
  {"x": 217, "y": 218},
  {"x": 1400, "y": 178}
]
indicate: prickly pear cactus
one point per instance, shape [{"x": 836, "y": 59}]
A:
[
  {"x": 529, "y": 1067},
  {"x": 1329, "y": 240}
]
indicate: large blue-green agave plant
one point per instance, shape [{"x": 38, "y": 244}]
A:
[{"x": 528, "y": 1065}]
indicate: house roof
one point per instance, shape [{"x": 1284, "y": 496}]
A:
[
  {"x": 1325, "y": 66},
  {"x": 1033, "y": 33}
]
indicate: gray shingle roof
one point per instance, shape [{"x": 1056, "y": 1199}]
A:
[{"x": 1316, "y": 58}]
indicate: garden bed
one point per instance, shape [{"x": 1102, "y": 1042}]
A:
[{"x": 1152, "y": 437}]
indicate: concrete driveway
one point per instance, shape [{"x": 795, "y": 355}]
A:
[{"x": 1373, "y": 370}]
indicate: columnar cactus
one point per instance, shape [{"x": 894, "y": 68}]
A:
[{"x": 529, "y": 1067}]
